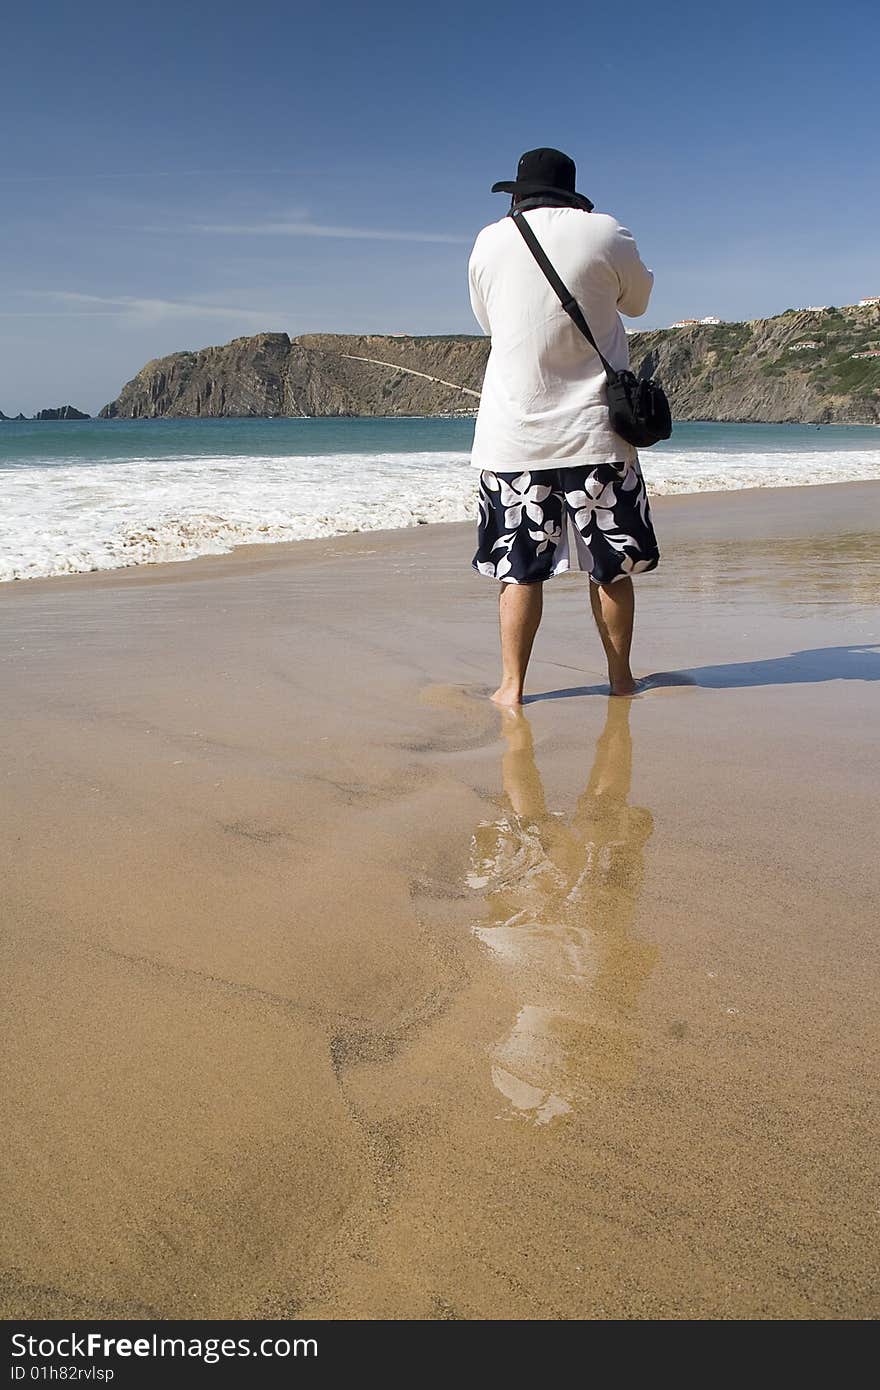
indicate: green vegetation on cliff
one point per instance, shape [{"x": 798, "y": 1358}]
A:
[{"x": 796, "y": 367}]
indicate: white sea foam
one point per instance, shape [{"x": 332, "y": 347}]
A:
[
  {"x": 669, "y": 470},
  {"x": 74, "y": 517},
  {"x": 71, "y": 517}
]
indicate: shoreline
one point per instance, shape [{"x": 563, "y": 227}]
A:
[
  {"x": 439, "y": 415},
  {"x": 659, "y": 502}
]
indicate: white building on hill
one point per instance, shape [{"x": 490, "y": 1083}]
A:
[
  {"x": 872, "y": 299},
  {"x": 691, "y": 323}
]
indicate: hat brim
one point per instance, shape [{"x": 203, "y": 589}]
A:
[{"x": 529, "y": 189}]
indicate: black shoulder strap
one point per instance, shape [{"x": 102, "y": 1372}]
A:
[{"x": 566, "y": 299}]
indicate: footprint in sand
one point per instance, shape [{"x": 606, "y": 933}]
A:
[
  {"x": 472, "y": 720},
  {"x": 464, "y": 699}
]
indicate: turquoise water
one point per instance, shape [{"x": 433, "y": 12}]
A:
[
  {"x": 83, "y": 495},
  {"x": 68, "y": 441}
]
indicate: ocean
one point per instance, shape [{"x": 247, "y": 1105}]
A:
[{"x": 101, "y": 494}]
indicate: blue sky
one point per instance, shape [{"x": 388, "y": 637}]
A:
[{"x": 179, "y": 174}]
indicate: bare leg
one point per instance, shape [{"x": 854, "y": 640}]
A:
[
  {"x": 519, "y": 610},
  {"x": 614, "y": 608},
  {"x": 519, "y": 771}
]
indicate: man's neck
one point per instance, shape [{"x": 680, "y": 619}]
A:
[{"x": 543, "y": 200}]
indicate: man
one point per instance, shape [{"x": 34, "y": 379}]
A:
[{"x": 550, "y": 463}]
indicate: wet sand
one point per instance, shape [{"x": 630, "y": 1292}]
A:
[{"x": 333, "y": 992}]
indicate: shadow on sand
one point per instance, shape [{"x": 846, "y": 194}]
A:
[{"x": 851, "y": 663}]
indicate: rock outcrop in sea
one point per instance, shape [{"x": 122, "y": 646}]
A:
[
  {"x": 804, "y": 366},
  {"x": 62, "y": 412}
]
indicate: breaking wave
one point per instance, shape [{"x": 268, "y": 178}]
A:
[{"x": 67, "y": 516}]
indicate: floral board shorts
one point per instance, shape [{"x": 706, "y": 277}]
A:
[{"x": 528, "y": 522}]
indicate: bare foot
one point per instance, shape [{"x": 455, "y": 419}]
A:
[
  {"x": 507, "y": 695},
  {"x": 625, "y": 687}
]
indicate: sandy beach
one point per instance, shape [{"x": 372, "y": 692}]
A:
[{"x": 333, "y": 992}]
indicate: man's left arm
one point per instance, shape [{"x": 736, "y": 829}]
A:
[
  {"x": 477, "y": 303},
  {"x": 636, "y": 280}
]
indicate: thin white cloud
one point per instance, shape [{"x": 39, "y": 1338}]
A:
[
  {"x": 317, "y": 229},
  {"x": 136, "y": 176},
  {"x": 152, "y": 310},
  {"x": 55, "y": 314}
]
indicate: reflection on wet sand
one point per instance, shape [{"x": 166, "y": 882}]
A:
[
  {"x": 838, "y": 569},
  {"x": 560, "y": 898}
]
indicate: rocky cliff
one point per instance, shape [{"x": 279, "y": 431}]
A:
[
  {"x": 318, "y": 374},
  {"x": 811, "y": 366},
  {"x": 804, "y": 366}
]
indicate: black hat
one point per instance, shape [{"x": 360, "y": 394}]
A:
[{"x": 545, "y": 171}]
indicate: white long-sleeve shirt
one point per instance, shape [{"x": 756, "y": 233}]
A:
[{"x": 543, "y": 403}]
